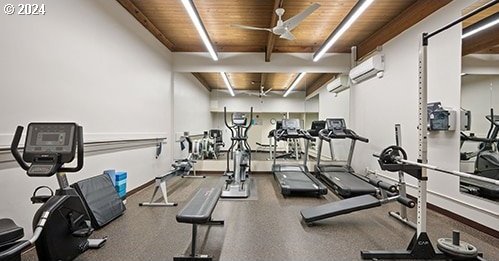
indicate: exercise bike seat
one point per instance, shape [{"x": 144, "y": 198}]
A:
[{"x": 9, "y": 231}]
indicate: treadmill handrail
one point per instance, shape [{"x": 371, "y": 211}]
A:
[
  {"x": 350, "y": 134},
  {"x": 282, "y": 134}
]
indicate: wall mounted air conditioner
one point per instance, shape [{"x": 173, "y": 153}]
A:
[
  {"x": 369, "y": 68},
  {"x": 341, "y": 83}
]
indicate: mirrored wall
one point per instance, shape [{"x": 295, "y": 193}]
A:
[
  {"x": 480, "y": 104},
  {"x": 205, "y": 125}
]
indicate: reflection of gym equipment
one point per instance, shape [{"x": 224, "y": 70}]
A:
[
  {"x": 236, "y": 185},
  {"x": 486, "y": 163},
  {"x": 295, "y": 179},
  {"x": 341, "y": 179},
  {"x": 314, "y": 130},
  {"x": 208, "y": 147},
  {"x": 293, "y": 146},
  {"x": 61, "y": 226}
]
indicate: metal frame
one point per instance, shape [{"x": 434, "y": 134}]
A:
[
  {"x": 421, "y": 246},
  {"x": 160, "y": 184}
]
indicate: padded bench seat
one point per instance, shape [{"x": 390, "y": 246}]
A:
[
  {"x": 198, "y": 212},
  {"x": 341, "y": 207},
  {"x": 9, "y": 231}
]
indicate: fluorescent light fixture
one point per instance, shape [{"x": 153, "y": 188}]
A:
[
  {"x": 227, "y": 83},
  {"x": 480, "y": 28},
  {"x": 293, "y": 85},
  {"x": 337, "y": 33},
  {"x": 194, "y": 15}
]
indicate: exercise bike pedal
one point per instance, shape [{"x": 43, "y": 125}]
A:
[
  {"x": 84, "y": 232},
  {"x": 97, "y": 243}
]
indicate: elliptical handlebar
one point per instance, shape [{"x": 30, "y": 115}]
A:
[
  {"x": 249, "y": 123},
  {"x": 14, "y": 148}
]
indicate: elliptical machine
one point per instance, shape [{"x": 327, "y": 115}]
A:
[
  {"x": 236, "y": 185},
  {"x": 61, "y": 226}
]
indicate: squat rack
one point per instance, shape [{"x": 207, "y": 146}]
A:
[{"x": 420, "y": 246}]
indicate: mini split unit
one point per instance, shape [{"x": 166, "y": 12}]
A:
[{"x": 369, "y": 68}]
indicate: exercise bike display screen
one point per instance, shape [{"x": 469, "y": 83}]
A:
[{"x": 46, "y": 138}]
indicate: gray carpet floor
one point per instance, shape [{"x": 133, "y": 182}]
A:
[{"x": 269, "y": 228}]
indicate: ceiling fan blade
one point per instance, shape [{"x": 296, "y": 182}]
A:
[
  {"x": 287, "y": 35},
  {"x": 250, "y": 27},
  {"x": 293, "y": 22}
]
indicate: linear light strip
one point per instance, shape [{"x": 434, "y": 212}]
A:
[
  {"x": 295, "y": 83},
  {"x": 480, "y": 28},
  {"x": 194, "y": 15},
  {"x": 227, "y": 83},
  {"x": 357, "y": 10}
]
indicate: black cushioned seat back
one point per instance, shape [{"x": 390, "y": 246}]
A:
[
  {"x": 101, "y": 199},
  {"x": 9, "y": 231}
]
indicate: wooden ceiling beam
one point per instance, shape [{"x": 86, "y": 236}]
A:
[
  {"x": 135, "y": 12},
  {"x": 202, "y": 80},
  {"x": 480, "y": 41},
  {"x": 271, "y": 38},
  {"x": 263, "y": 79},
  {"x": 407, "y": 18},
  {"x": 323, "y": 79}
]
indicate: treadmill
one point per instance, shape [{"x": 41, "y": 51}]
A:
[
  {"x": 295, "y": 179},
  {"x": 341, "y": 178}
]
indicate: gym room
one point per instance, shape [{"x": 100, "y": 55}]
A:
[{"x": 249, "y": 130}]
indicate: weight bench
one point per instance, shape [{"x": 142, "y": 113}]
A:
[
  {"x": 160, "y": 184},
  {"x": 198, "y": 212}
]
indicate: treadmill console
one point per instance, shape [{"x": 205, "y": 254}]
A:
[
  {"x": 336, "y": 125},
  {"x": 291, "y": 126},
  {"x": 239, "y": 119}
]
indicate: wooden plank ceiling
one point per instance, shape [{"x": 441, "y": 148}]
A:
[
  {"x": 170, "y": 23},
  {"x": 253, "y": 81},
  {"x": 486, "y": 41}
]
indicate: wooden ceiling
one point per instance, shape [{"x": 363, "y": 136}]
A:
[
  {"x": 486, "y": 41},
  {"x": 168, "y": 21},
  {"x": 253, "y": 81}
]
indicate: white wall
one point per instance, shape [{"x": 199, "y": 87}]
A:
[
  {"x": 90, "y": 62},
  {"x": 336, "y": 106},
  {"x": 377, "y": 104},
  {"x": 479, "y": 93},
  {"x": 191, "y": 108}
]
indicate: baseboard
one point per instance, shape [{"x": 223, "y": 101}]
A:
[
  {"x": 466, "y": 221},
  {"x": 220, "y": 173},
  {"x": 461, "y": 219},
  {"x": 139, "y": 188}
]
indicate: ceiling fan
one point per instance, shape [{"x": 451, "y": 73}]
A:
[
  {"x": 283, "y": 28},
  {"x": 261, "y": 93}
]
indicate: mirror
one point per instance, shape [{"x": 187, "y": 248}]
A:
[
  {"x": 263, "y": 91},
  {"x": 480, "y": 103}
]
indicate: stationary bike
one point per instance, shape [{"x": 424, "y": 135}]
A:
[
  {"x": 236, "y": 185},
  {"x": 61, "y": 227}
]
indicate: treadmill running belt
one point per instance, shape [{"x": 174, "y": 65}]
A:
[
  {"x": 292, "y": 182},
  {"x": 346, "y": 184}
]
